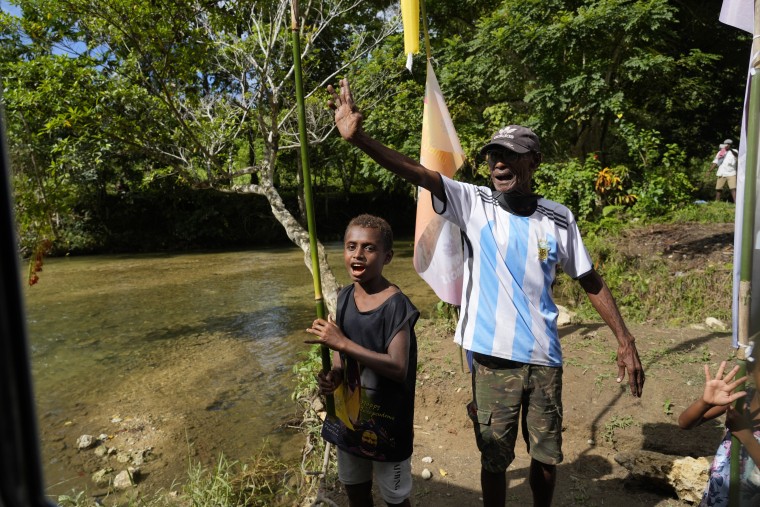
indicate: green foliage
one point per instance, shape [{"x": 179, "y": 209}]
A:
[
  {"x": 570, "y": 183},
  {"x": 447, "y": 313},
  {"x": 305, "y": 372},
  {"x": 663, "y": 180},
  {"x": 201, "y": 95},
  {"x": 263, "y": 482},
  {"x": 660, "y": 194}
]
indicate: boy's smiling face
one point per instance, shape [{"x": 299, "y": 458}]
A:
[{"x": 364, "y": 254}]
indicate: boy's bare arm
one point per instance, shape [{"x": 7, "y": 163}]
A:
[
  {"x": 392, "y": 364},
  {"x": 348, "y": 120},
  {"x": 627, "y": 354}
]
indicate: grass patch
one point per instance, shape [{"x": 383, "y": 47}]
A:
[
  {"x": 265, "y": 481},
  {"x": 646, "y": 290},
  {"x": 616, "y": 423},
  {"x": 707, "y": 213}
]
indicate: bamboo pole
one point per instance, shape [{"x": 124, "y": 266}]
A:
[
  {"x": 318, "y": 297},
  {"x": 748, "y": 243}
]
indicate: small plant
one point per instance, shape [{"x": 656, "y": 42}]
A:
[
  {"x": 667, "y": 407},
  {"x": 75, "y": 499},
  {"x": 448, "y": 313},
  {"x": 601, "y": 379},
  {"x": 613, "y": 424}
]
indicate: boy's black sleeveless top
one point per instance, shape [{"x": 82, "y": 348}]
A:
[{"x": 375, "y": 415}]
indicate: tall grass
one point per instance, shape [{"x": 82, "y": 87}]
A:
[{"x": 264, "y": 481}]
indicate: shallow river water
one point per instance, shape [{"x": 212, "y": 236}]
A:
[{"x": 204, "y": 342}]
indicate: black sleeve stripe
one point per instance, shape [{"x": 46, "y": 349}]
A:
[
  {"x": 552, "y": 215},
  {"x": 487, "y": 198}
]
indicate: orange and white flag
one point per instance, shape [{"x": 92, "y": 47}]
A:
[{"x": 438, "y": 256}]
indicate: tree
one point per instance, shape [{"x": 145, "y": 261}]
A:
[
  {"x": 214, "y": 85},
  {"x": 568, "y": 68}
]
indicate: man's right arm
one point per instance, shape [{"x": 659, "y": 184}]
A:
[{"x": 349, "y": 119}]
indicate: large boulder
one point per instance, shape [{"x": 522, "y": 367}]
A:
[{"x": 686, "y": 476}]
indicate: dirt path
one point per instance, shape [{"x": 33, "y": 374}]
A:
[{"x": 601, "y": 418}]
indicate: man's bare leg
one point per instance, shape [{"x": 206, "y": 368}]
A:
[
  {"x": 494, "y": 486},
  {"x": 542, "y": 479}
]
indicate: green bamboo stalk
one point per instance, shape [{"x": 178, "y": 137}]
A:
[
  {"x": 318, "y": 297},
  {"x": 747, "y": 248},
  {"x": 425, "y": 30}
]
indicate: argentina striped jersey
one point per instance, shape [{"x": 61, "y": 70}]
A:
[{"x": 510, "y": 264}]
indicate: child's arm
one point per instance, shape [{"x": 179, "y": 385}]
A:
[
  {"x": 717, "y": 397},
  {"x": 741, "y": 428},
  {"x": 391, "y": 364}
]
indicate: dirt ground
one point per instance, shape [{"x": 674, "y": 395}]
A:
[{"x": 601, "y": 418}]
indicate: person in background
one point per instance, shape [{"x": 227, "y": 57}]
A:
[
  {"x": 514, "y": 240},
  {"x": 726, "y": 173}
]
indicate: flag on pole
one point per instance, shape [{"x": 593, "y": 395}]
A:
[
  {"x": 741, "y": 14},
  {"x": 438, "y": 256},
  {"x": 410, "y": 17}
]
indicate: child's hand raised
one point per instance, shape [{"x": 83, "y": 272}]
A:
[{"x": 719, "y": 390}]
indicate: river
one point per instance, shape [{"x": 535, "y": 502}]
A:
[{"x": 183, "y": 354}]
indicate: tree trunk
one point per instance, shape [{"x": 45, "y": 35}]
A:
[{"x": 300, "y": 237}]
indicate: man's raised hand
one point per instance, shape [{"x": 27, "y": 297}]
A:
[{"x": 348, "y": 118}]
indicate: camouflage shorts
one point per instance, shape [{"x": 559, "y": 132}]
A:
[{"x": 500, "y": 389}]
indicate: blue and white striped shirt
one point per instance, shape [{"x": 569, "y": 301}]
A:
[{"x": 510, "y": 264}]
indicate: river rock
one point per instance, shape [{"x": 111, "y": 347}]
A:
[
  {"x": 138, "y": 457},
  {"x": 565, "y": 316},
  {"x": 125, "y": 479},
  {"x": 102, "y": 477},
  {"x": 85, "y": 442},
  {"x": 713, "y": 323},
  {"x": 685, "y": 475},
  {"x": 101, "y": 451}
]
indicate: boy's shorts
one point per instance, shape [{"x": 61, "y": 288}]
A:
[
  {"x": 501, "y": 388},
  {"x": 722, "y": 180},
  {"x": 394, "y": 479}
]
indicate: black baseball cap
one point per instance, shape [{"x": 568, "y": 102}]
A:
[{"x": 514, "y": 137}]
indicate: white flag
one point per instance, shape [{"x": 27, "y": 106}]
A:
[
  {"x": 438, "y": 254},
  {"x": 739, "y": 13}
]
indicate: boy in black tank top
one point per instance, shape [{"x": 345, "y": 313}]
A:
[{"x": 374, "y": 368}]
